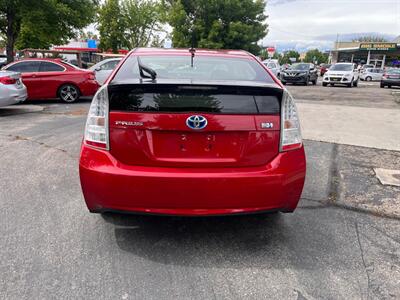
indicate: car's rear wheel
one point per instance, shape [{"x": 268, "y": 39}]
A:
[
  {"x": 68, "y": 93},
  {"x": 324, "y": 84}
]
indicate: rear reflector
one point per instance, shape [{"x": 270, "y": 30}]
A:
[
  {"x": 96, "y": 130},
  {"x": 290, "y": 128},
  {"x": 8, "y": 80}
]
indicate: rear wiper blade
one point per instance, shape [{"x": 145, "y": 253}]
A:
[{"x": 148, "y": 70}]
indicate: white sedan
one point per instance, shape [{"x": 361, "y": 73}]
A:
[
  {"x": 104, "y": 68},
  {"x": 12, "y": 90}
]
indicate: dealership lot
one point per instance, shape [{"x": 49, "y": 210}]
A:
[{"x": 342, "y": 242}]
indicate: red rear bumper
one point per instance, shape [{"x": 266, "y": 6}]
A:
[{"x": 109, "y": 185}]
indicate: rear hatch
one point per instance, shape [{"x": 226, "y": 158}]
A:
[{"x": 153, "y": 124}]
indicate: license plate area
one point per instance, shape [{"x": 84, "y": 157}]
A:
[{"x": 197, "y": 145}]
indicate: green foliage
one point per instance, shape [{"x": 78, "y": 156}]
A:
[
  {"x": 367, "y": 39},
  {"x": 316, "y": 56},
  {"x": 42, "y": 23},
  {"x": 142, "y": 22},
  {"x": 130, "y": 24},
  {"x": 111, "y": 26},
  {"x": 227, "y": 24},
  {"x": 285, "y": 58}
]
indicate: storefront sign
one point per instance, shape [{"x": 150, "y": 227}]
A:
[{"x": 378, "y": 46}]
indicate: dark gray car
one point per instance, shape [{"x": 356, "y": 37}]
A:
[{"x": 302, "y": 73}]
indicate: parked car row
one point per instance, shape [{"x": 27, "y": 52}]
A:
[
  {"x": 333, "y": 74},
  {"x": 43, "y": 78}
]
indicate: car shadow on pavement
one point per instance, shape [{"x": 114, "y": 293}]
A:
[
  {"x": 54, "y": 101},
  {"x": 271, "y": 241}
]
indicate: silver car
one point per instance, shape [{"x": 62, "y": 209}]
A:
[
  {"x": 273, "y": 66},
  {"x": 12, "y": 90},
  {"x": 372, "y": 74},
  {"x": 104, "y": 68}
]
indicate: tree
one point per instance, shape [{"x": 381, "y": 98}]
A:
[
  {"x": 41, "y": 23},
  {"x": 142, "y": 22},
  {"x": 317, "y": 56},
  {"x": 130, "y": 24},
  {"x": 227, "y": 24},
  {"x": 111, "y": 26},
  {"x": 285, "y": 59},
  {"x": 371, "y": 38}
]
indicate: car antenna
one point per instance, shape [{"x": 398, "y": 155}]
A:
[
  {"x": 143, "y": 68},
  {"x": 192, "y": 52}
]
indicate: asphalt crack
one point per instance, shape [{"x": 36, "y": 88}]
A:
[
  {"x": 363, "y": 259},
  {"x": 21, "y": 138}
]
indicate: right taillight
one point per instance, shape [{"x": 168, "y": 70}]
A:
[
  {"x": 7, "y": 80},
  {"x": 96, "y": 130},
  {"x": 290, "y": 124}
]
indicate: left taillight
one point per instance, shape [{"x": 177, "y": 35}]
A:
[
  {"x": 96, "y": 130},
  {"x": 8, "y": 80}
]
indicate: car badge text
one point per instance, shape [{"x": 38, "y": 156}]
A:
[{"x": 128, "y": 123}]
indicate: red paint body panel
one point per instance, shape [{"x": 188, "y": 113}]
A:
[
  {"x": 166, "y": 141},
  {"x": 45, "y": 85},
  {"x": 108, "y": 184}
]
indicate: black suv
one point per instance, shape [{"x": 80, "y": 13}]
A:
[{"x": 300, "y": 73}]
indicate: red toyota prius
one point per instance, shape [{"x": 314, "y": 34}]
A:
[{"x": 185, "y": 132}]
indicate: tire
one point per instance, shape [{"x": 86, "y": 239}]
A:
[
  {"x": 283, "y": 82},
  {"x": 382, "y": 86},
  {"x": 69, "y": 93},
  {"x": 355, "y": 83},
  {"x": 324, "y": 84},
  {"x": 307, "y": 81},
  {"x": 389, "y": 86},
  {"x": 314, "y": 82},
  {"x": 368, "y": 78},
  {"x": 349, "y": 85}
]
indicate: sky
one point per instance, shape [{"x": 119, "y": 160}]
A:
[{"x": 301, "y": 23}]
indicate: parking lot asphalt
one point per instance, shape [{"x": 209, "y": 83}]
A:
[{"x": 52, "y": 248}]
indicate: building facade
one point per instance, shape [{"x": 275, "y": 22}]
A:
[{"x": 378, "y": 54}]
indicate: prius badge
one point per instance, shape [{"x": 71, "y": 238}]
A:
[{"x": 196, "y": 122}]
